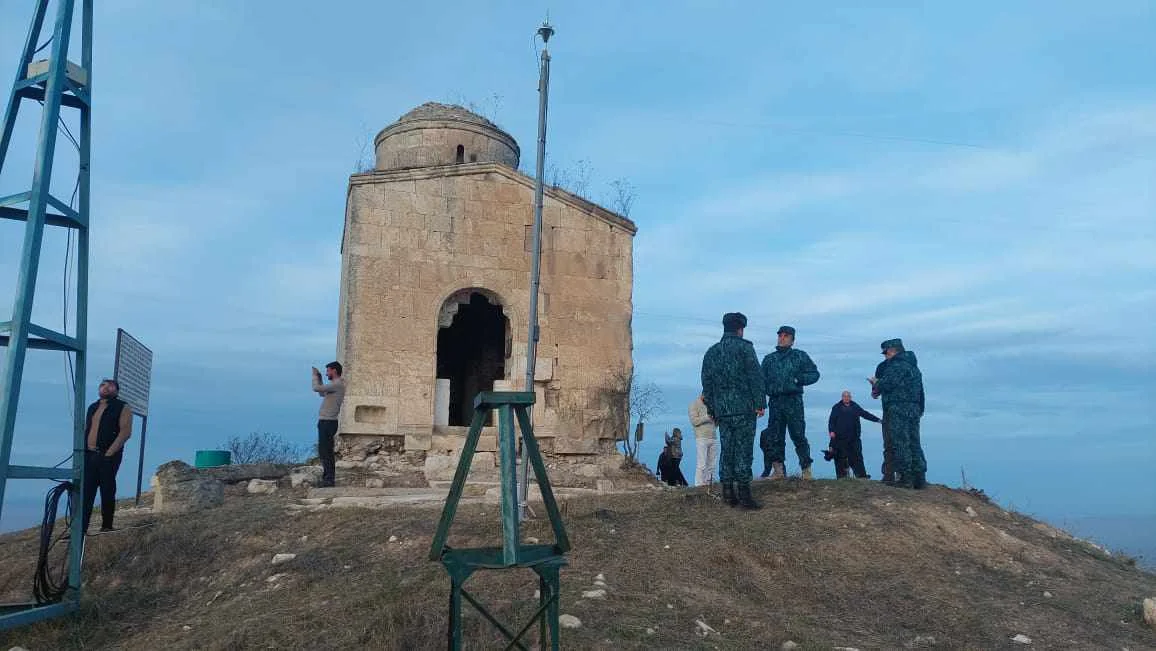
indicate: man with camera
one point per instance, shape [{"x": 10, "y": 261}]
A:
[
  {"x": 332, "y": 395},
  {"x": 846, "y": 429}
]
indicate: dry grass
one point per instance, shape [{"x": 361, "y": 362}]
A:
[{"x": 824, "y": 564}]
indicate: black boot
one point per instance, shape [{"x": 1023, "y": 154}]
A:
[
  {"x": 745, "y": 499},
  {"x": 729, "y": 494}
]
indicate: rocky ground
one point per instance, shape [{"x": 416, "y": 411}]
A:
[{"x": 827, "y": 564}]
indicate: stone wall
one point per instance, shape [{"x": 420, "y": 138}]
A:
[
  {"x": 433, "y": 143},
  {"x": 414, "y": 238}
]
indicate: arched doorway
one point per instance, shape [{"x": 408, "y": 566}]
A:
[{"x": 472, "y": 349}]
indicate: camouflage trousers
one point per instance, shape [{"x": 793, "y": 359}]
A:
[
  {"x": 737, "y": 436},
  {"x": 888, "y": 452},
  {"x": 901, "y": 426},
  {"x": 786, "y": 415}
]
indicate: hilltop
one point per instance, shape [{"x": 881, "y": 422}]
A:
[{"x": 826, "y": 564}]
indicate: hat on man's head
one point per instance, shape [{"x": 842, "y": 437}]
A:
[
  {"x": 732, "y": 321},
  {"x": 786, "y": 330},
  {"x": 892, "y": 343}
]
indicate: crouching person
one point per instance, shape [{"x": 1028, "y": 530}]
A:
[{"x": 668, "y": 463}]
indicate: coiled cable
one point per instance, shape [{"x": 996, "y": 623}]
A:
[{"x": 50, "y": 583}]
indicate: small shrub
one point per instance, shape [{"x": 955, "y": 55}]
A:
[{"x": 264, "y": 447}]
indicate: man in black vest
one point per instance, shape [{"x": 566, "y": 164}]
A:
[{"x": 107, "y": 427}]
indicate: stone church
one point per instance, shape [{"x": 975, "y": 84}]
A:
[{"x": 435, "y": 283}]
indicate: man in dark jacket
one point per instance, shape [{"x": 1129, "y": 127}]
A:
[
  {"x": 107, "y": 426},
  {"x": 845, "y": 429},
  {"x": 732, "y": 389},
  {"x": 785, "y": 372},
  {"x": 899, "y": 383}
]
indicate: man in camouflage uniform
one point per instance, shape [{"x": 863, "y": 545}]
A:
[
  {"x": 888, "y": 468},
  {"x": 785, "y": 372},
  {"x": 899, "y": 383},
  {"x": 732, "y": 389}
]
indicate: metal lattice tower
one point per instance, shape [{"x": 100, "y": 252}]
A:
[
  {"x": 53, "y": 82},
  {"x": 545, "y": 560}
]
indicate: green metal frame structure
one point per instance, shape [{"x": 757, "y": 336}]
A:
[
  {"x": 53, "y": 82},
  {"x": 545, "y": 560}
]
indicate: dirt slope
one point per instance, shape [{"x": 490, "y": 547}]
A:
[{"x": 826, "y": 564}]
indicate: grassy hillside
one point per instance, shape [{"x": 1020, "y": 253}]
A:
[{"x": 825, "y": 564}]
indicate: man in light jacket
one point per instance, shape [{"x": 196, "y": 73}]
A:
[
  {"x": 706, "y": 442},
  {"x": 332, "y": 395}
]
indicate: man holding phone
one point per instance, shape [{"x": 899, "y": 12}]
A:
[{"x": 332, "y": 395}]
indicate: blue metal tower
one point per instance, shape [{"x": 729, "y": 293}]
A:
[{"x": 53, "y": 82}]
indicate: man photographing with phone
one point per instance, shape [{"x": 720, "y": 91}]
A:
[{"x": 331, "y": 396}]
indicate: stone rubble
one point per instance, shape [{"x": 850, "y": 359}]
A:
[
  {"x": 702, "y": 629},
  {"x": 569, "y": 621},
  {"x": 261, "y": 486},
  {"x": 180, "y": 488}
]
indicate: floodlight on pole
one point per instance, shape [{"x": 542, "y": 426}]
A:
[{"x": 545, "y": 32}]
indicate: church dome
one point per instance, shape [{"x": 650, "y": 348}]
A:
[{"x": 442, "y": 134}]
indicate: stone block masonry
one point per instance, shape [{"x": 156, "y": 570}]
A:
[{"x": 435, "y": 293}]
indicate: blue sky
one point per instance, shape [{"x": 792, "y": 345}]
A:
[{"x": 977, "y": 180}]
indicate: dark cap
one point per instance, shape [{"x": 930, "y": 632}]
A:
[
  {"x": 788, "y": 330},
  {"x": 732, "y": 321},
  {"x": 892, "y": 343}
]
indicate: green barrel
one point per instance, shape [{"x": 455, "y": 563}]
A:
[{"x": 210, "y": 458}]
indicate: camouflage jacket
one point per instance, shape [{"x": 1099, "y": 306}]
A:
[
  {"x": 787, "y": 370},
  {"x": 899, "y": 380},
  {"x": 731, "y": 382}
]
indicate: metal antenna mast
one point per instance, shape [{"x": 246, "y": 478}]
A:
[
  {"x": 545, "y": 31},
  {"x": 53, "y": 82}
]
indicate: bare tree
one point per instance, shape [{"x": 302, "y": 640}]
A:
[
  {"x": 622, "y": 196},
  {"x": 574, "y": 178},
  {"x": 265, "y": 447},
  {"x": 581, "y": 181},
  {"x": 489, "y": 108},
  {"x": 631, "y": 401},
  {"x": 365, "y": 151},
  {"x": 557, "y": 177}
]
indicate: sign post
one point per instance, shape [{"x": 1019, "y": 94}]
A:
[{"x": 132, "y": 371}]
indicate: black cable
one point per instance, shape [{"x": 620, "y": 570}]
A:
[
  {"x": 68, "y": 133},
  {"x": 49, "y": 586},
  {"x": 37, "y": 50}
]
